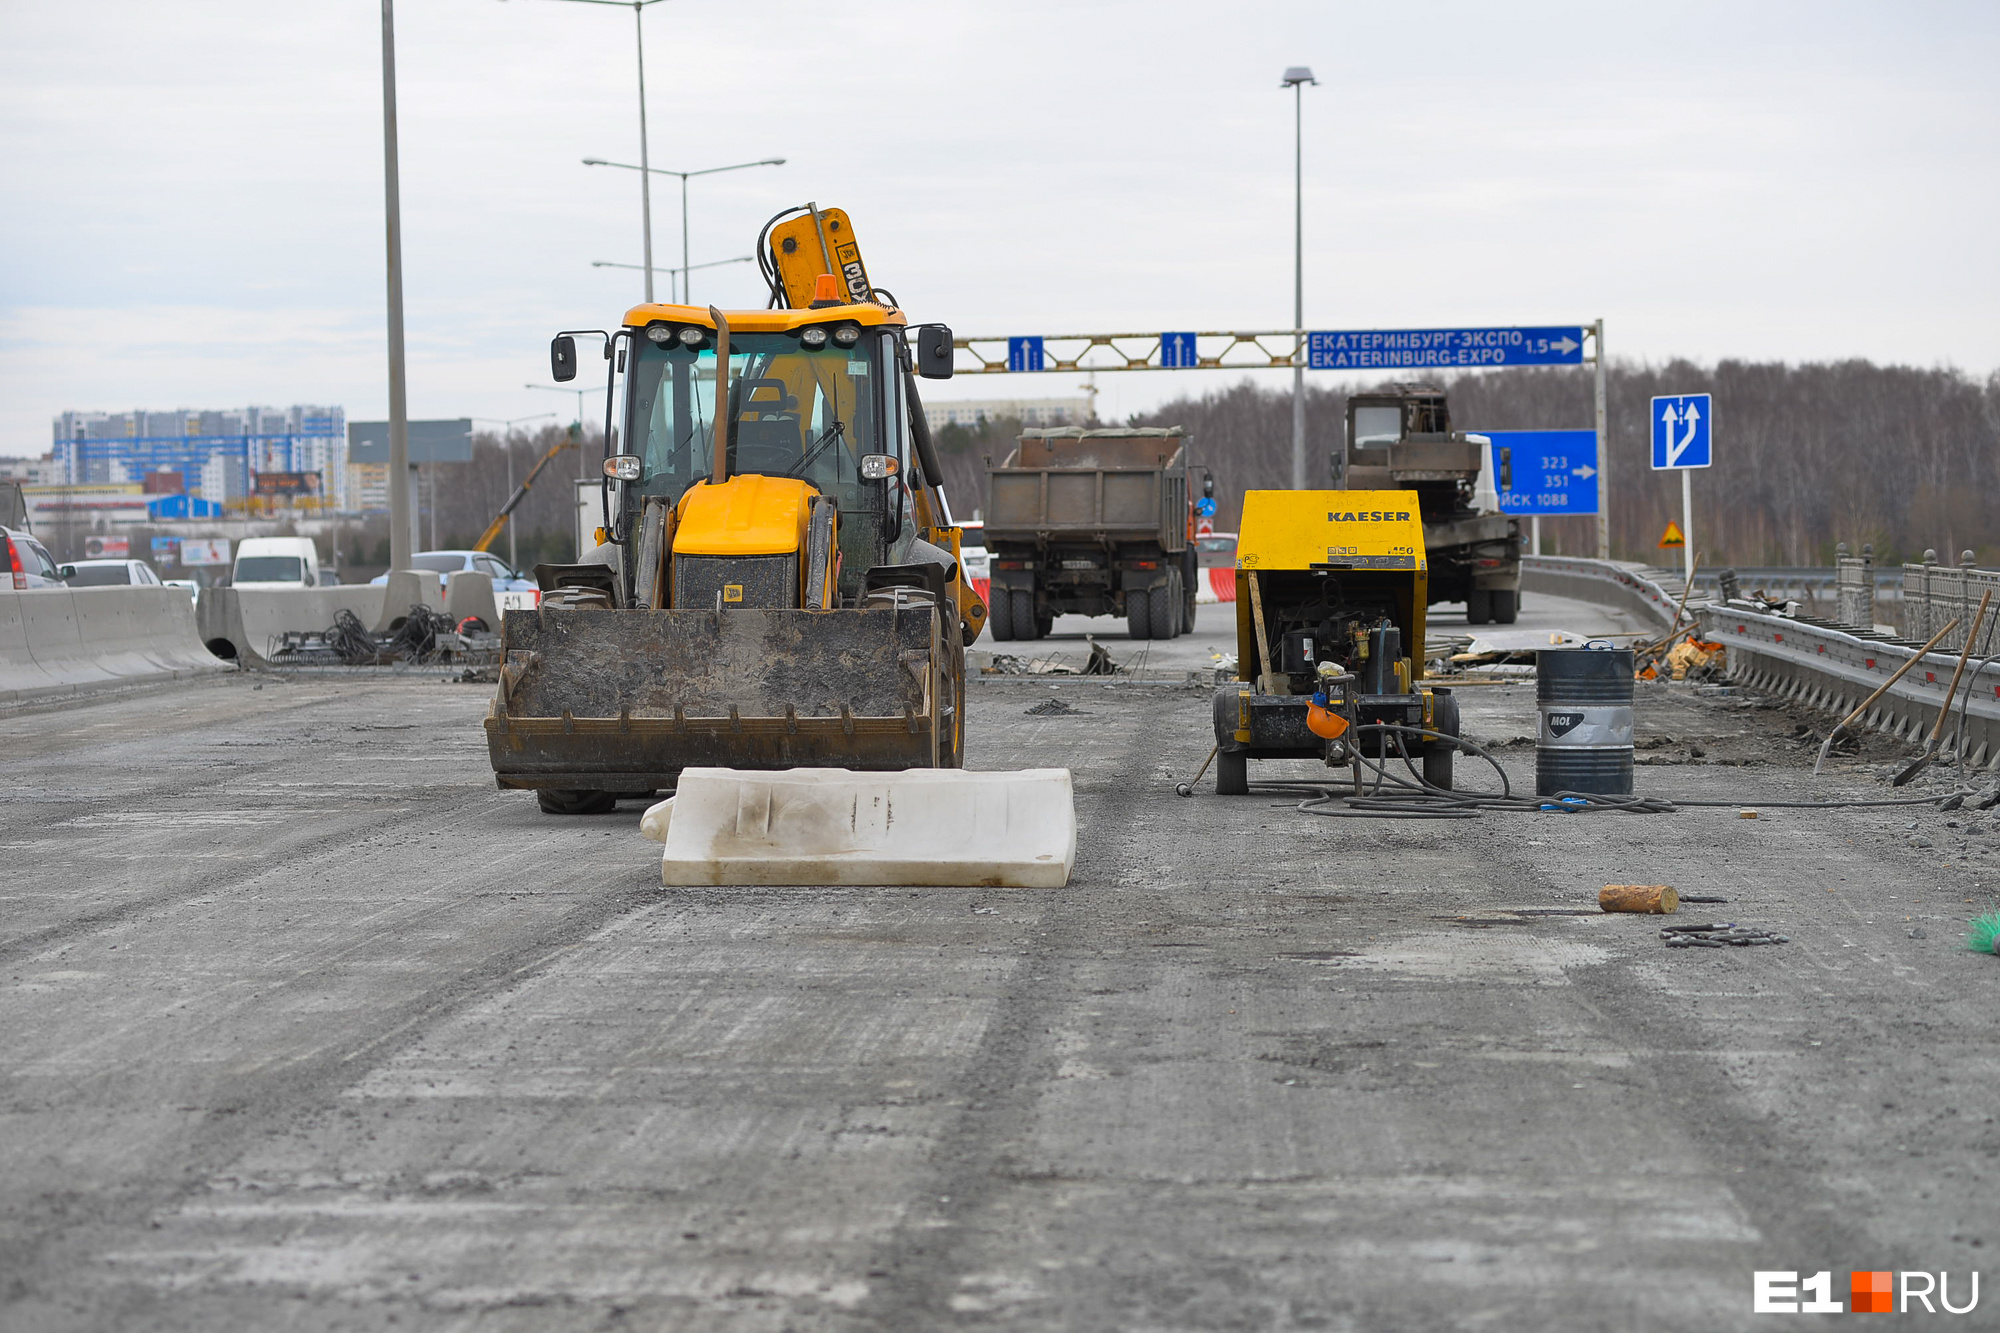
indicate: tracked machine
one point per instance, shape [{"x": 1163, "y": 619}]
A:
[
  {"x": 1331, "y": 588},
  {"x": 1402, "y": 437},
  {"x": 777, "y": 582}
]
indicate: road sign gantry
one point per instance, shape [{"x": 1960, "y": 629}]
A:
[{"x": 1375, "y": 350}]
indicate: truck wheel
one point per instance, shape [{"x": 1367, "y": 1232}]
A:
[
  {"x": 999, "y": 615},
  {"x": 1044, "y": 626},
  {"x": 1139, "y": 614},
  {"x": 1478, "y": 606},
  {"x": 1165, "y": 611},
  {"x": 575, "y": 802},
  {"x": 1232, "y": 773},
  {"x": 1189, "y": 579},
  {"x": 1026, "y": 626},
  {"x": 1506, "y": 605}
]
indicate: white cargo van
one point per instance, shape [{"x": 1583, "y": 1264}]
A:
[{"x": 276, "y": 562}]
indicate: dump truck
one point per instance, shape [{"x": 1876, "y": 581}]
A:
[
  {"x": 1331, "y": 591},
  {"x": 776, "y": 581},
  {"x": 1094, "y": 523},
  {"x": 1401, "y": 438}
]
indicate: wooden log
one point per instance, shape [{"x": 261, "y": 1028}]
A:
[{"x": 1655, "y": 898}]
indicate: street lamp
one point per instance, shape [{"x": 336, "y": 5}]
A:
[
  {"x": 645, "y": 180},
  {"x": 1296, "y": 78},
  {"x": 646, "y": 171},
  {"x": 507, "y": 447}
]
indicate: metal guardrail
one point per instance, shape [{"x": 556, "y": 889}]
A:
[
  {"x": 1825, "y": 666},
  {"x": 1815, "y": 662},
  {"x": 1605, "y": 582}
]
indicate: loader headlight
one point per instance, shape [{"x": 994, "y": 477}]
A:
[
  {"x": 659, "y": 333},
  {"x": 847, "y": 335},
  {"x": 813, "y": 337},
  {"x": 693, "y": 337}
]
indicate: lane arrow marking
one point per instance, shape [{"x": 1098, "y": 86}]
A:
[
  {"x": 1692, "y": 416},
  {"x": 1667, "y": 419}
]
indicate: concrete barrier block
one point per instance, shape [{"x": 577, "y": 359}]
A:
[
  {"x": 407, "y": 588},
  {"x": 264, "y": 615},
  {"x": 468, "y": 593},
  {"x": 20, "y": 674}
]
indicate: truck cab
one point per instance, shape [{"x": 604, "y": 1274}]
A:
[{"x": 1401, "y": 438}]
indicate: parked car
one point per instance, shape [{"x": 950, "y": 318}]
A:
[
  {"x": 446, "y": 563},
  {"x": 27, "y": 560},
  {"x": 276, "y": 562},
  {"x": 109, "y": 574}
]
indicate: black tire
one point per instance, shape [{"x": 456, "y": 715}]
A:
[
  {"x": 999, "y": 616},
  {"x": 1026, "y": 626},
  {"x": 1190, "y": 583},
  {"x": 1438, "y": 754},
  {"x": 1165, "y": 611},
  {"x": 576, "y": 802},
  {"x": 1232, "y": 773},
  {"x": 1478, "y": 606},
  {"x": 1044, "y": 626},
  {"x": 1506, "y": 605},
  {"x": 1138, "y": 613}
]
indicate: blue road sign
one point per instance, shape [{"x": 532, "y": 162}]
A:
[
  {"x": 1024, "y": 354},
  {"x": 1683, "y": 430},
  {"x": 1415, "y": 349},
  {"x": 1177, "y": 352},
  {"x": 1545, "y": 471}
]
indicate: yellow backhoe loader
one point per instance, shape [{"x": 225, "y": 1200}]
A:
[{"x": 777, "y": 582}]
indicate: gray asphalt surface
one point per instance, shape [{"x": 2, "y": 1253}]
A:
[{"x": 307, "y": 1027}]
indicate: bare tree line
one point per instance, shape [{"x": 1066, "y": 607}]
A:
[{"x": 1806, "y": 456}]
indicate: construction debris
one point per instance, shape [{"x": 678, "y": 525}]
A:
[
  {"x": 1655, "y": 898},
  {"x": 1718, "y": 935}
]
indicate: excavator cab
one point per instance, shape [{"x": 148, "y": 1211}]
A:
[{"x": 776, "y": 583}]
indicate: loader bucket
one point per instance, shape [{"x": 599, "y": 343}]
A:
[
  {"x": 836, "y": 826},
  {"x": 624, "y": 700}
]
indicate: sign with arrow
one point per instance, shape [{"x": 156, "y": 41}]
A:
[
  {"x": 1024, "y": 354},
  {"x": 1417, "y": 349},
  {"x": 1544, "y": 471},
  {"x": 1683, "y": 428}
]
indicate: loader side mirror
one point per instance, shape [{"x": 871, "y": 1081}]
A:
[
  {"x": 934, "y": 353},
  {"x": 562, "y": 358},
  {"x": 1506, "y": 468}
]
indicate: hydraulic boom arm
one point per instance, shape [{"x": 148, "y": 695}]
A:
[{"x": 499, "y": 523}]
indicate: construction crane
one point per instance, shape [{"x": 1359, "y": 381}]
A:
[{"x": 499, "y": 523}]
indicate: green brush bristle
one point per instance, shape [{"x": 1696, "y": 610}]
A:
[{"x": 1984, "y": 937}]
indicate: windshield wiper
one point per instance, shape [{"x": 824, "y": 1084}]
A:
[{"x": 833, "y": 432}]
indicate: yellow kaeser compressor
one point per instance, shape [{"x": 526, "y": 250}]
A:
[{"x": 1330, "y": 594}]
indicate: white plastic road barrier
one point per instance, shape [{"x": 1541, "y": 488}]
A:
[{"x": 931, "y": 826}]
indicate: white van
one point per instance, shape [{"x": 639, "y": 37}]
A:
[{"x": 276, "y": 562}]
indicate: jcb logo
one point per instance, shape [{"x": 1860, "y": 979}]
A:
[{"x": 1871, "y": 1291}]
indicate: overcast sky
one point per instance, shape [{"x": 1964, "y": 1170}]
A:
[{"x": 193, "y": 191}]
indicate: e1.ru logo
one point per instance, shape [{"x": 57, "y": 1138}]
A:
[{"x": 1870, "y": 1292}]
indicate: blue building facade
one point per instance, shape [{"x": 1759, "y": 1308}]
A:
[{"x": 217, "y": 454}]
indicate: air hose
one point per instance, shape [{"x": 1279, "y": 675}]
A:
[{"x": 1380, "y": 792}]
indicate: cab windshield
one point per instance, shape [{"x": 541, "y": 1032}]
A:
[{"x": 795, "y": 411}]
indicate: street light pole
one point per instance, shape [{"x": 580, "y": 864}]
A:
[
  {"x": 686, "y": 295},
  {"x": 645, "y": 180},
  {"x": 402, "y": 535},
  {"x": 1296, "y": 78}
]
